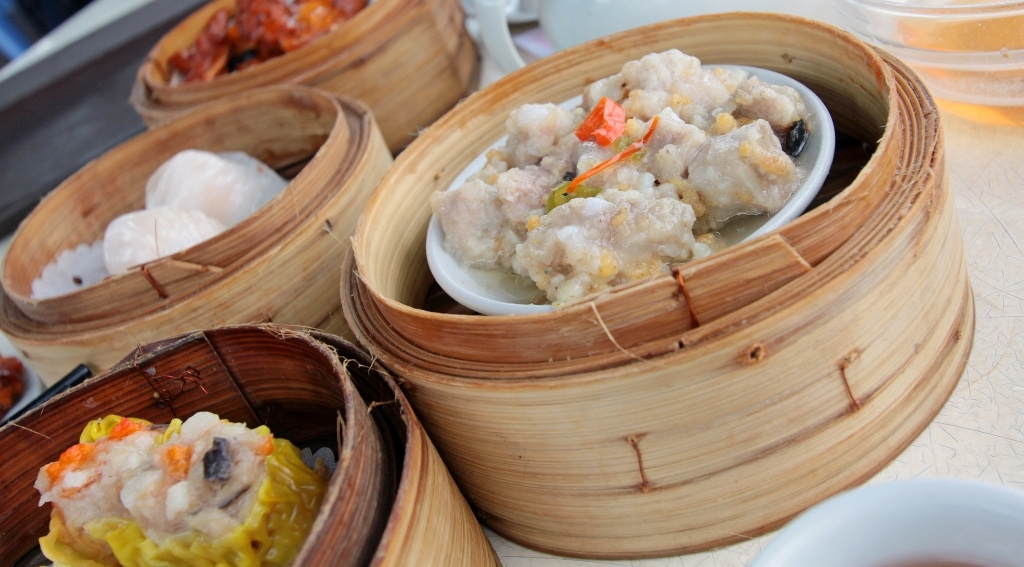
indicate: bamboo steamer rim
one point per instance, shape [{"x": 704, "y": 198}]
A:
[
  {"x": 343, "y": 142},
  {"x": 292, "y": 67},
  {"x": 234, "y": 395},
  {"x": 400, "y": 538},
  {"x": 438, "y": 155}
]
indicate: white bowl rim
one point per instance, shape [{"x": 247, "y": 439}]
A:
[
  {"x": 905, "y": 520},
  {"x": 465, "y": 287}
]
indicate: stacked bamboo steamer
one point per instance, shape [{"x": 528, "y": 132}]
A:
[
  {"x": 409, "y": 60},
  {"x": 389, "y": 498},
  {"x": 279, "y": 265},
  {"x": 709, "y": 405}
]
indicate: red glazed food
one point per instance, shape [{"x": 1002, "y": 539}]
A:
[
  {"x": 256, "y": 31},
  {"x": 11, "y": 373}
]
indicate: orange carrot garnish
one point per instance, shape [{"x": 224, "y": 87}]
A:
[
  {"x": 605, "y": 123},
  {"x": 177, "y": 459},
  {"x": 267, "y": 447},
  {"x": 72, "y": 457},
  {"x": 632, "y": 149},
  {"x": 124, "y": 428}
]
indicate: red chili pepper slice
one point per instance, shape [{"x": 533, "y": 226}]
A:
[
  {"x": 604, "y": 124},
  {"x": 632, "y": 149}
]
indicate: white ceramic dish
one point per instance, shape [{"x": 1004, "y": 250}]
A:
[
  {"x": 32, "y": 387},
  {"x": 490, "y": 292},
  {"x": 906, "y": 522},
  {"x": 516, "y": 11},
  {"x": 572, "y": 22}
]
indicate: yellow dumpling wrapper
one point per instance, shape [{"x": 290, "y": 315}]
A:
[{"x": 287, "y": 503}]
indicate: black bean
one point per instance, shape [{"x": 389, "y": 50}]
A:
[
  {"x": 217, "y": 461},
  {"x": 796, "y": 138}
]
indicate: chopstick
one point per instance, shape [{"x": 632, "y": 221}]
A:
[{"x": 72, "y": 379}]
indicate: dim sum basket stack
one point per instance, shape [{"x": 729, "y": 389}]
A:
[
  {"x": 409, "y": 60},
  {"x": 711, "y": 404},
  {"x": 279, "y": 265},
  {"x": 390, "y": 499}
]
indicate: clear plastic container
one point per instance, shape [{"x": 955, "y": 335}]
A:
[{"x": 970, "y": 53}]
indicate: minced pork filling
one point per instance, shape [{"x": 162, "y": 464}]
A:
[{"x": 641, "y": 176}]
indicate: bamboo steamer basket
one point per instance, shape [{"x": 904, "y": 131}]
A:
[
  {"x": 409, "y": 60},
  {"x": 390, "y": 488},
  {"x": 431, "y": 523},
  {"x": 279, "y": 265},
  {"x": 706, "y": 406}
]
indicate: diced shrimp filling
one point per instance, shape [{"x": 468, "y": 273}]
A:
[
  {"x": 714, "y": 155},
  {"x": 166, "y": 488}
]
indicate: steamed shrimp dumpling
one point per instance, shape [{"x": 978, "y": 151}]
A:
[
  {"x": 143, "y": 236},
  {"x": 227, "y": 187}
]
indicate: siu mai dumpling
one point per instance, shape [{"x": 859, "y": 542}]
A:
[
  {"x": 227, "y": 187},
  {"x": 204, "y": 491},
  {"x": 143, "y": 236}
]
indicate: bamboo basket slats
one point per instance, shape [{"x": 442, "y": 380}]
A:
[
  {"x": 409, "y": 60},
  {"x": 784, "y": 369},
  {"x": 763, "y": 267},
  {"x": 665, "y": 312},
  {"x": 719, "y": 434},
  {"x": 178, "y": 391},
  {"x": 268, "y": 268},
  {"x": 705, "y": 394},
  {"x": 428, "y": 503},
  {"x": 444, "y": 530},
  {"x": 357, "y": 300},
  {"x": 306, "y": 63}
]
